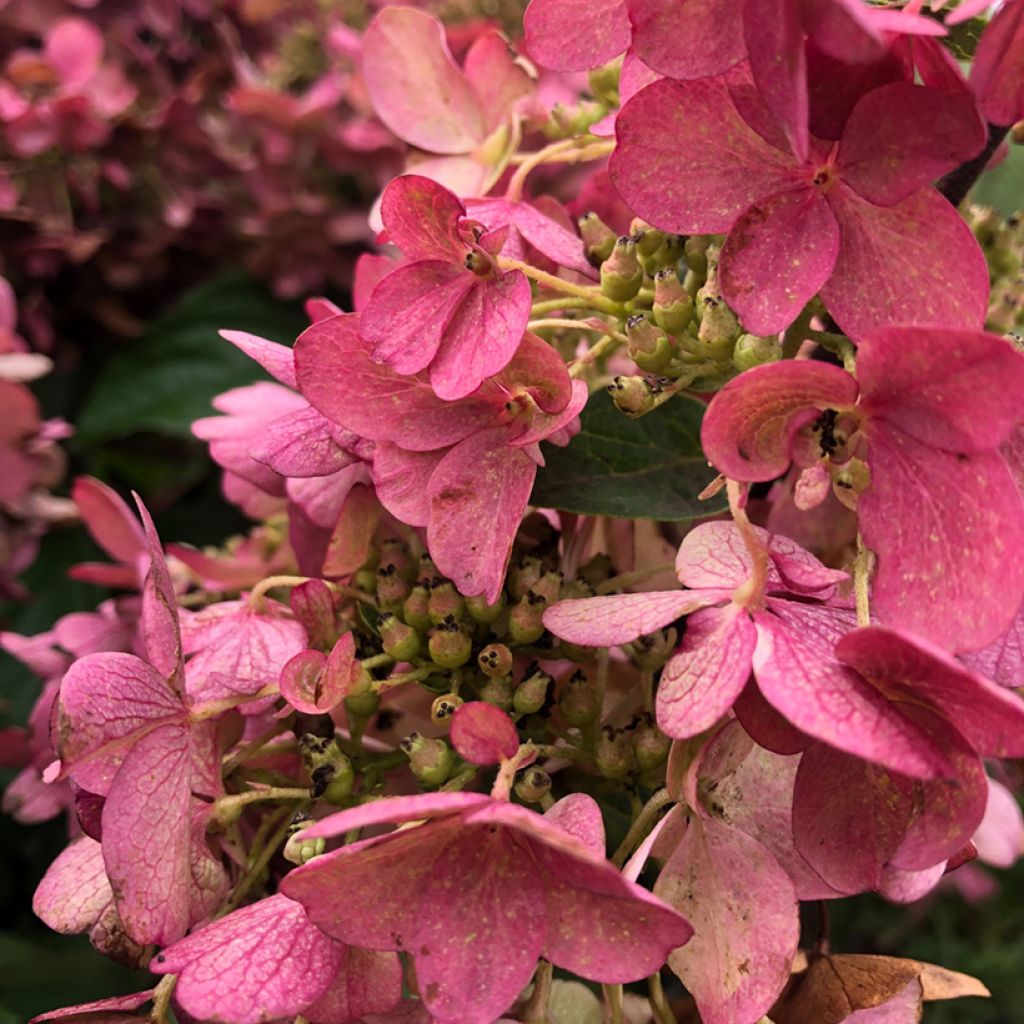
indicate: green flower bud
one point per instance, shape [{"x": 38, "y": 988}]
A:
[
  {"x": 549, "y": 586},
  {"x": 532, "y": 784},
  {"x": 497, "y": 690},
  {"x": 598, "y": 238},
  {"x": 673, "y": 306},
  {"x": 330, "y": 771},
  {"x": 695, "y": 250},
  {"x": 632, "y": 395},
  {"x": 426, "y": 570},
  {"x": 363, "y": 705},
  {"x": 597, "y": 569},
  {"x": 431, "y": 761},
  {"x": 449, "y": 644},
  {"x": 648, "y": 240},
  {"x": 444, "y": 707},
  {"x": 604, "y": 82},
  {"x": 495, "y": 660},
  {"x": 650, "y": 744},
  {"x": 751, "y": 351},
  {"x": 719, "y": 327},
  {"x": 613, "y": 753},
  {"x": 414, "y": 608},
  {"x": 298, "y": 850},
  {"x": 445, "y": 602},
  {"x": 399, "y": 640},
  {"x": 392, "y": 588},
  {"x": 478, "y": 262},
  {"x": 395, "y": 554},
  {"x": 523, "y": 576},
  {"x": 621, "y": 273},
  {"x": 366, "y": 580},
  {"x": 532, "y": 694},
  {"x": 480, "y": 611},
  {"x": 653, "y": 650},
  {"x": 649, "y": 346},
  {"x": 526, "y": 619},
  {"x": 579, "y": 701},
  {"x": 670, "y": 252}
]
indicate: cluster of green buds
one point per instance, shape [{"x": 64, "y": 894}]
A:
[{"x": 1002, "y": 241}]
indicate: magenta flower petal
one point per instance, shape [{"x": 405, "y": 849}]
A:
[
  {"x": 1002, "y": 661},
  {"x": 750, "y": 423},
  {"x": 340, "y": 379},
  {"x": 997, "y": 74},
  {"x": 112, "y": 1004},
  {"x": 990, "y": 718},
  {"x": 580, "y": 815},
  {"x": 899, "y": 886},
  {"x": 916, "y": 516},
  {"x": 401, "y": 479},
  {"x": 300, "y": 444},
  {"x": 621, "y": 618},
  {"x": 766, "y": 291},
  {"x": 74, "y": 892},
  {"x": 497, "y": 76},
  {"x": 263, "y": 962},
  {"x": 277, "y": 360},
  {"x": 74, "y": 48},
  {"x": 415, "y": 86},
  {"x": 704, "y": 677},
  {"x": 422, "y": 218},
  {"x": 315, "y": 684},
  {"x": 895, "y": 264},
  {"x": 574, "y": 35},
  {"x": 745, "y": 937},
  {"x": 482, "y": 733},
  {"x": 711, "y": 43},
  {"x": 845, "y": 29},
  {"x": 901, "y": 137},
  {"x": 477, "y": 497},
  {"x": 799, "y": 677},
  {"x": 726, "y": 170},
  {"x": 109, "y": 520},
  {"x": 369, "y": 982},
  {"x": 160, "y": 627},
  {"x": 395, "y": 810},
  {"x": 765, "y": 725}
]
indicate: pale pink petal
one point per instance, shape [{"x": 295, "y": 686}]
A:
[
  {"x": 766, "y": 725},
  {"x": 1002, "y": 661},
  {"x": 340, "y": 379},
  {"x": 160, "y": 628},
  {"x": 276, "y": 359},
  {"x": 999, "y": 838},
  {"x": 422, "y": 218},
  {"x": 901, "y": 137},
  {"x": 727, "y": 166},
  {"x": 895, "y": 264},
  {"x": 300, "y": 444},
  {"x": 714, "y": 555},
  {"x": 540, "y": 370},
  {"x": 574, "y": 35},
  {"x": 74, "y": 47},
  {"x": 621, "y": 618},
  {"x": 580, "y": 815},
  {"x": 74, "y": 891},
  {"x": 988, "y": 716},
  {"x": 745, "y": 935},
  {"x": 701, "y": 681},
  {"x": 749, "y": 425},
  {"x": 370, "y": 270},
  {"x": 109, "y": 520},
  {"x": 322, "y": 498},
  {"x": 477, "y": 497},
  {"x": 711, "y": 40},
  {"x": 906, "y": 376},
  {"x": 314, "y": 684},
  {"x": 498, "y": 78},
  {"x": 482, "y": 733},
  {"x": 415, "y": 86},
  {"x": 801, "y": 571},
  {"x": 948, "y": 534},
  {"x": 401, "y": 479},
  {"x": 903, "y": 1008},
  {"x": 368, "y": 982},
  {"x": 776, "y": 257},
  {"x": 899, "y": 886},
  {"x": 798, "y": 676},
  {"x": 263, "y": 962},
  {"x": 112, "y": 1004},
  {"x": 30, "y": 800},
  {"x": 997, "y": 73},
  {"x": 395, "y": 810}
]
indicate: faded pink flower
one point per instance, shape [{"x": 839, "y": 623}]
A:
[
  {"x": 450, "y": 310},
  {"x": 942, "y": 511},
  {"x": 482, "y": 733},
  {"x": 315, "y": 683},
  {"x": 860, "y": 221},
  {"x": 477, "y": 895},
  {"x": 267, "y": 961},
  {"x": 463, "y": 469}
]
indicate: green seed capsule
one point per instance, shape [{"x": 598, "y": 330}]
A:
[
  {"x": 621, "y": 273},
  {"x": 431, "y": 760}
]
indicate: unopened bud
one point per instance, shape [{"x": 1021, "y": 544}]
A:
[
  {"x": 604, "y": 82},
  {"x": 445, "y": 602},
  {"x": 650, "y": 744},
  {"x": 532, "y": 694},
  {"x": 532, "y": 784},
  {"x": 495, "y": 660},
  {"x": 426, "y": 571},
  {"x": 613, "y": 753},
  {"x": 673, "y": 305},
  {"x": 395, "y": 554},
  {"x": 549, "y": 586},
  {"x": 526, "y": 619},
  {"x": 444, "y": 707},
  {"x": 598, "y": 238},
  {"x": 719, "y": 327},
  {"x": 597, "y": 569},
  {"x": 330, "y": 772},
  {"x": 751, "y": 351},
  {"x": 579, "y": 701},
  {"x": 621, "y": 273},
  {"x": 431, "y": 760},
  {"x": 402, "y": 642},
  {"x": 414, "y": 608},
  {"x": 480, "y": 611},
  {"x": 497, "y": 690},
  {"x": 695, "y": 250},
  {"x": 523, "y": 576},
  {"x": 478, "y": 262},
  {"x": 449, "y": 644},
  {"x": 648, "y": 239},
  {"x": 366, "y": 580},
  {"x": 363, "y": 705},
  {"x": 670, "y": 252},
  {"x": 632, "y": 395},
  {"x": 392, "y": 588},
  {"x": 653, "y": 650},
  {"x": 649, "y": 346},
  {"x": 298, "y": 850}
]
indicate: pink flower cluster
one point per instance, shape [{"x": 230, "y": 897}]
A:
[{"x": 357, "y": 765}]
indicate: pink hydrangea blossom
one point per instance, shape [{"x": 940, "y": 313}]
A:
[
  {"x": 997, "y": 72},
  {"x": 941, "y": 512},
  {"x": 477, "y": 895}
]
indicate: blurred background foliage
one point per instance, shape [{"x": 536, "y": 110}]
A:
[{"x": 132, "y": 407}]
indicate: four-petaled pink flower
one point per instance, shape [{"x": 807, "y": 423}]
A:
[
  {"x": 463, "y": 469},
  {"x": 942, "y": 511},
  {"x": 450, "y": 310},
  {"x": 856, "y": 221},
  {"x": 480, "y": 892}
]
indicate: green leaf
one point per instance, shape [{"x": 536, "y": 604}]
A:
[
  {"x": 167, "y": 379},
  {"x": 962, "y": 39},
  {"x": 650, "y": 468}
]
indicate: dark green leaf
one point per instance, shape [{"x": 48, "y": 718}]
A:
[
  {"x": 650, "y": 468},
  {"x": 962, "y": 40},
  {"x": 167, "y": 379}
]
